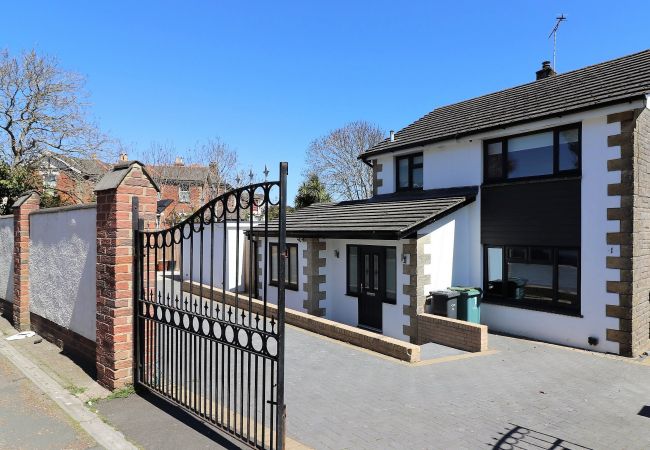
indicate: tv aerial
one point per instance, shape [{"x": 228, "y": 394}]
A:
[{"x": 559, "y": 19}]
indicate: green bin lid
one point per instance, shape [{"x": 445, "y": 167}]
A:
[{"x": 470, "y": 291}]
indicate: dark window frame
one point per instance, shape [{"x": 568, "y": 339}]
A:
[
  {"x": 557, "y": 173},
  {"x": 555, "y": 307},
  {"x": 387, "y": 300},
  {"x": 291, "y": 284},
  {"x": 411, "y": 165}
]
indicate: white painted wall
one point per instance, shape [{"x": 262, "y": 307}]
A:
[
  {"x": 459, "y": 163},
  {"x": 568, "y": 330},
  {"x": 339, "y": 306},
  {"x": 198, "y": 272},
  {"x": 7, "y": 258},
  {"x": 452, "y": 245},
  {"x": 344, "y": 308},
  {"x": 62, "y": 261}
]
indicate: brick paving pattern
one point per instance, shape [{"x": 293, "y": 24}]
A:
[{"x": 339, "y": 397}]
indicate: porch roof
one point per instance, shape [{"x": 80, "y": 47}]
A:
[{"x": 391, "y": 216}]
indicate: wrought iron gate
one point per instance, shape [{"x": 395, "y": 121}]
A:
[{"x": 214, "y": 350}]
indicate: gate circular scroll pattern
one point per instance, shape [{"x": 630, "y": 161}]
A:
[
  {"x": 231, "y": 334},
  {"x": 260, "y": 195}
]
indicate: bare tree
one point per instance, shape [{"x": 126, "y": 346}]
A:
[
  {"x": 168, "y": 165},
  {"x": 222, "y": 161},
  {"x": 335, "y": 158},
  {"x": 42, "y": 109}
]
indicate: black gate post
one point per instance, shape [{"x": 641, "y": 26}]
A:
[
  {"x": 137, "y": 286},
  {"x": 282, "y": 238}
]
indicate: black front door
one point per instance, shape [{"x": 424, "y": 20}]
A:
[{"x": 372, "y": 286}]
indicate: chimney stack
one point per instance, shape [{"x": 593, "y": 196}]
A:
[
  {"x": 546, "y": 71},
  {"x": 392, "y": 136},
  {"x": 179, "y": 161}
]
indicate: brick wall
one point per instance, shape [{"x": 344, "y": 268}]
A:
[
  {"x": 74, "y": 191},
  {"x": 641, "y": 237},
  {"x": 315, "y": 295},
  {"x": 454, "y": 333},
  {"x": 78, "y": 348},
  {"x": 385, "y": 345},
  {"x": 114, "y": 268},
  {"x": 22, "y": 208},
  {"x": 418, "y": 258},
  {"x": 633, "y": 237}
]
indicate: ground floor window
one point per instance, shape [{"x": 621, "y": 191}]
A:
[
  {"x": 291, "y": 268},
  {"x": 372, "y": 267},
  {"x": 546, "y": 278}
]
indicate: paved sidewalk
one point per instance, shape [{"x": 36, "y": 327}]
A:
[
  {"x": 37, "y": 410},
  {"x": 31, "y": 420}
]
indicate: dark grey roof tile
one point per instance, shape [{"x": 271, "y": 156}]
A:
[{"x": 593, "y": 86}]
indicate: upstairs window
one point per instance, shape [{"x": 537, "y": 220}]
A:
[
  {"x": 410, "y": 172},
  {"x": 184, "y": 193},
  {"x": 545, "y": 154}
]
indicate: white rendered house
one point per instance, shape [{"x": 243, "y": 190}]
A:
[{"x": 538, "y": 194}]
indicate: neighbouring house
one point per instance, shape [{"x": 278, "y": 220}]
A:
[
  {"x": 539, "y": 194},
  {"x": 183, "y": 189},
  {"x": 72, "y": 178}
]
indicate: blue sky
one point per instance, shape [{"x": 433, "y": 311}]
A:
[{"x": 268, "y": 77}]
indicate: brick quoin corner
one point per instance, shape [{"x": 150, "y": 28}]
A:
[{"x": 114, "y": 272}]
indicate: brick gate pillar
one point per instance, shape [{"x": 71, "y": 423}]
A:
[
  {"x": 114, "y": 271},
  {"x": 26, "y": 204}
]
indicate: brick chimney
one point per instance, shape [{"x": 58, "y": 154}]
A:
[{"x": 546, "y": 71}]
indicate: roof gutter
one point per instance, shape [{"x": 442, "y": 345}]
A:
[{"x": 370, "y": 153}]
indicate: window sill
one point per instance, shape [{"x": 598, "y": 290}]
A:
[
  {"x": 529, "y": 180},
  {"x": 513, "y": 304},
  {"x": 291, "y": 287},
  {"x": 407, "y": 190}
]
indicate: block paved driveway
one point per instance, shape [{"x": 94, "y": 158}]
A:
[{"x": 526, "y": 395}]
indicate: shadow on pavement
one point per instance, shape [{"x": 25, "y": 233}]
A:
[
  {"x": 521, "y": 437},
  {"x": 188, "y": 420},
  {"x": 644, "y": 412}
]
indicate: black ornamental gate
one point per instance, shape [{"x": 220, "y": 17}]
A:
[{"x": 207, "y": 340}]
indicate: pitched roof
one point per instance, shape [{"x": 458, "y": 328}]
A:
[
  {"x": 162, "y": 205},
  {"x": 610, "y": 82},
  {"x": 174, "y": 173},
  {"x": 116, "y": 175},
  {"x": 392, "y": 216},
  {"x": 87, "y": 166}
]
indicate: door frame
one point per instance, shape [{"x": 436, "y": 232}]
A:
[{"x": 376, "y": 301}]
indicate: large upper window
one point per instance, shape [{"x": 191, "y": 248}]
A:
[
  {"x": 545, "y": 154},
  {"x": 409, "y": 172},
  {"x": 291, "y": 267},
  {"x": 544, "y": 278}
]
